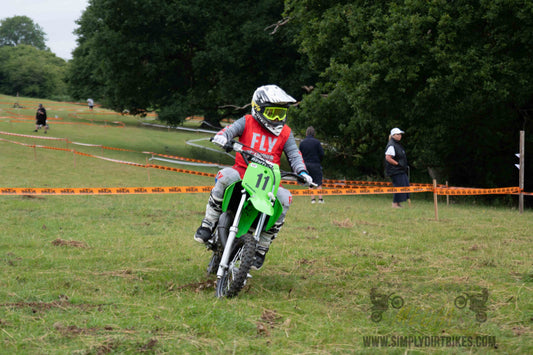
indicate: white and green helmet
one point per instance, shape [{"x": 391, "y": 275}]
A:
[{"x": 269, "y": 107}]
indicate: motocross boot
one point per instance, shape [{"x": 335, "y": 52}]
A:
[
  {"x": 204, "y": 232},
  {"x": 265, "y": 239},
  {"x": 212, "y": 212},
  {"x": 259, "y": 260}
]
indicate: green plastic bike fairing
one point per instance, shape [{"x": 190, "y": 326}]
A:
[{"x": 258, "y": 181}]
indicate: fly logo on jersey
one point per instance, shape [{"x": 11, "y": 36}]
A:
[{"x": 266, "y": 144}]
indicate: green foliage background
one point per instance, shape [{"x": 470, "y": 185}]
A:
[
  {"x": 457, "y": 77},
  {"x": 27, "y": 67},
  {"x": 186, "y": 57},
  {"x": 31, "y": 72},
  {"x": 18, "y": 30}
]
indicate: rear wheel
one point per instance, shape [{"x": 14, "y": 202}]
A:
[{"x": 241, "y": 260}]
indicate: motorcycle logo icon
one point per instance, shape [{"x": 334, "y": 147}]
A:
[
  {"x": 477, "y": 303},
  {"x": 380, "y": 303}
]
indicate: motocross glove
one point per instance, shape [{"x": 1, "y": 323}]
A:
[
  {"x": 307, "y": 177},
  {"x": 220, "y": 140}
]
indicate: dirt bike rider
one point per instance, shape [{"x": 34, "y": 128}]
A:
[{"x": 264, "y": 130}]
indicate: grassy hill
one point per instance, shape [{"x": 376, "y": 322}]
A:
[{"x": 122, "y": 274}]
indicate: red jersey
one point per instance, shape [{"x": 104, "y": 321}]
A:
[{"x": 257, "y": 137}]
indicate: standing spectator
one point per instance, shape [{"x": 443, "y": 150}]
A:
[
  {"x": 396, "y": 165},
  {"x": 313, "y": 154},
  {"x": 90, "y": 102},
  {"x": 40, "y": 119}
]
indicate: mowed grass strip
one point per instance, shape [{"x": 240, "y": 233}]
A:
[{"x": 121, "y": 274}]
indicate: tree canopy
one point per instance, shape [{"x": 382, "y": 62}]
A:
[
  {"x": 27, "y": 67},
  {"x": 18, "y": 30},
  {"x": 31, "y": 72},
  {"x": 183, "y": 57},
  {"x": 455, "y": 76}
]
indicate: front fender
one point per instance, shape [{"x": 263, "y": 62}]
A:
[{"x": 278, "y": 209}]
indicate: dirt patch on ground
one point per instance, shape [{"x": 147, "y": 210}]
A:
[
  {"x": 69, "y": 330},
  {"x": 306, "y": 262},
  {"x": 32, "y": 197},
  {"x": 111, "y": 346},
  {"x": 270, "y": 316},
  {"x": 343, "y": 224},
  {"x": 45, "y": 306},
  {"x": 126, "y": 273},
  {"x": 270, "y": 319},
  {"x": 69, "y": 243}
]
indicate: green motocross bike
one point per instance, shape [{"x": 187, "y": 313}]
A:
[{"x": 249, "y": 207}]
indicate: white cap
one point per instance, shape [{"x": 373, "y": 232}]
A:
[{"x": 396, "y": 131}]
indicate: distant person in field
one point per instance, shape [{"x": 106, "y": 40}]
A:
[
  {"x": 40, "y": 119},
  {"x": 396, "y": 166},
  {"x": 90, "y": 102},
  {"x": 313, "y": 154}
]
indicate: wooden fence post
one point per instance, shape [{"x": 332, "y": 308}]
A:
[
  {"x": 521, "y": 172},
  {"x": 435, "y": 200}
]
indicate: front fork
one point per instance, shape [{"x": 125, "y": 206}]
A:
[{"x": 223, "y": 266}]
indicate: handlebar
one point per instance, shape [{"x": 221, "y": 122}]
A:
[
  {"x": 253, "y": 153},
  {"x": 298, "y": 178}
]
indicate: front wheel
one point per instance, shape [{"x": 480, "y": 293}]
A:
[{"x": 241, "y": 261}]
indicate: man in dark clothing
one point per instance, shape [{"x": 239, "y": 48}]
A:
[
  {"x": 396, "y": 165},
  {"x": 40, "y": 119},
  {"x": 313, "y": 154}
]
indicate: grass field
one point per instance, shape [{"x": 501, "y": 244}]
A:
[{"x": 122, "y": 274}]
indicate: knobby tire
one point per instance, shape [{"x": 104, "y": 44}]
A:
[{"x": 231, "y": 283}]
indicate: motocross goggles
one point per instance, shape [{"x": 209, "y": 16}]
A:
[{"x": 275, "y": 113}]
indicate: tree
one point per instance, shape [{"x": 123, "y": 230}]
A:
[
  {"x": 31, "y": 72},
  {"x": 19, "y": 30},
  {"x": 453, "y": 75},
  {"x": 84, "y": 78},
  {"x": 184, "y": 58}
]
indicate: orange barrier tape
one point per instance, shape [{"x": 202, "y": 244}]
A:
[
  {"x": 360, "y": 191},
  {"x": 93, "y": 145},
  {"x": 336, "y": 183},
  {"x": 189, "y": 189},
  {"x": 206, "y": 189},
  {"x": 104, "y": 190},
  {"x": 473, "y": 191},
  {"x": 192, "y": 172},
  {"x": 32, "y": 136},
  {"x": 338, "y": 187}
]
